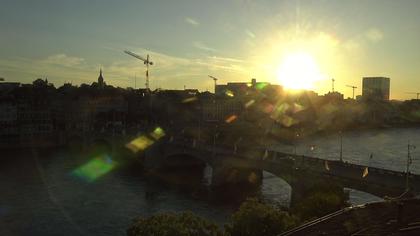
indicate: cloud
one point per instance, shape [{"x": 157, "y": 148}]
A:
[
  {"x": 63, "y": 60},
  {"x": 168, "y": 71},
  {"x": 56, "y": 68},
  {"x": 250, "y": 33},
  {"x": 202, "y": 46},
  {"x": 374, "y": 35},
  {"x": 226, "y": 59},
  {"x": 173, "y": 71},
  {"x": 192, "y": 21},
  {"x": 168, "y": 64}
]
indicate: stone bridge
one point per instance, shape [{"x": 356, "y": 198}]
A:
[{"x": 245, "y": 165}]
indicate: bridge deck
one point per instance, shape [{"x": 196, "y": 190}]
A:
[{"x": 357, "y": 176}]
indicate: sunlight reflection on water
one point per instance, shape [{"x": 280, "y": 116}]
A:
[{"x": 388, "y": 147}]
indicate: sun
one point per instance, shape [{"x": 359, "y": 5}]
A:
[{"x": 298, "y": 70}]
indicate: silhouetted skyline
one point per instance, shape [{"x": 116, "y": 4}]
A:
[{"x": 232, "y": 40}]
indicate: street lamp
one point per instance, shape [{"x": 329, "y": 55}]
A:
[
  {"x": 409, "y": 162},
  {"x": 214, "y": 140},
  {"x": 341, "y": 146},
  {"x": 312, "y": 149},
  {"x": 295, "y": 143},
  {"x": 199, "y": 129}
]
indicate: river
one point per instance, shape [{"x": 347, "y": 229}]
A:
[{"x": 41, "y": 195}]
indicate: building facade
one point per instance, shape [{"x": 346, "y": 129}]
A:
[
  {"x": 234, "y": 89},
  {"x": 376, "y": 88}
]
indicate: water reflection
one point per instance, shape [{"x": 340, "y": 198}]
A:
[
  {"x": 357, "y": 197},
  {"x": 48, "y": 201},
  {"x": 275, "y": 189},
  {"x": 207, "y": 175}
]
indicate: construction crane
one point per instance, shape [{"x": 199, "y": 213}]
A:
[
  {"x": 215, "y": 82},
  {"x": 416, "y": 94},
  {"x": 146, "y": 61},
  {"x": 353, "y": 87}
]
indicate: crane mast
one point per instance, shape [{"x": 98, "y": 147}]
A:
[
  {"x": 215, "y": 82},
  {"x": 146, "y": 61},
  {"x": 353, "y": 87}
]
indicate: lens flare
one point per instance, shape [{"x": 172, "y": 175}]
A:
[
  {"x": 139, "y": 144},
  {"x": 249, "y": 103},
  {"x": 229, "y": 93},
  {"x": 261, "y": 86},
  {"x": 95, "y": 168},
  {"x": 231, "y": 118},
  {"x": 252, "y": 178},
  {"x": 143, "y": 142},
  {"x": 157, "y": 133},
  {"x": 190, "y": 99}
]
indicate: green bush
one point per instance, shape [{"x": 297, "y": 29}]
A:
[
  {"x": 254, "y": 218},
  {"x": 172, "y": 224}
]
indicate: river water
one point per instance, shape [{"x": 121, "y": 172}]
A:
[{"x": 42, "y": 195}]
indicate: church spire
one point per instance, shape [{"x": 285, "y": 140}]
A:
[{"x": 101, "y": 79}]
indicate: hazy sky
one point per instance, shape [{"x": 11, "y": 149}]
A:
[{"x": 234, "y": 40}]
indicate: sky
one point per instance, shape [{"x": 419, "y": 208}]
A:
[{"x": 233, "y": 40}]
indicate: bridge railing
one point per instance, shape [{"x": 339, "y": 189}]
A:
[{"x": 261, "y": 153}]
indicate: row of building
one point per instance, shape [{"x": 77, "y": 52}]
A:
[
  {"x": 41, "y": 112},
  {"x": 373, "y": 88},
  {"x": 40, "y": 115}
]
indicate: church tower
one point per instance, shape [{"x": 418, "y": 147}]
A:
[{"x": 101, "y": 82}]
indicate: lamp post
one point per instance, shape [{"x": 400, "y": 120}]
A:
[
  {"x": 295, "y": 143},
  {"x": 341, "y": 146},
  {"x": 199, "y": 129},
  {"x": 214, "y": 141},
  {"x": 409, "y": 161}
]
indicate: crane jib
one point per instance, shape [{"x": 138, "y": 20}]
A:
[{"x": 147, "y": 62}]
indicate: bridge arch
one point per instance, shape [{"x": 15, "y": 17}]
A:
[
  {"x": 293, "y": 169},
  {"x": 301, "y": 180},
  {"x": 222, "y": 172},
  {"x": 273, "y": 185}
]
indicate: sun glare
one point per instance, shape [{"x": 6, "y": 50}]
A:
[{"x": 298, "y": 71}]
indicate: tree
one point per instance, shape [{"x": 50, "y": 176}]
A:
[
  {"x": 255, "y": 218},
  {"x": 325, "y": 197},
  {"x": 172, "y": 224}
]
